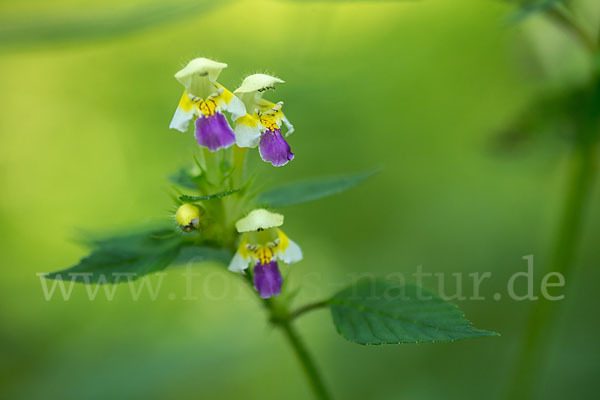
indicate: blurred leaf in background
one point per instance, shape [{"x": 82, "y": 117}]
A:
[{"x": 53, "y": 28}]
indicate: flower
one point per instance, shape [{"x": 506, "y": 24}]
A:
[
  {"x": 205, "y": 98},
  {"x": 261, "y": 125},
  {"x": 263, "y": 244},
  {"x": 188, "y": 217}
]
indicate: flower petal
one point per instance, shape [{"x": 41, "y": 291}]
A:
[
  {"x": 214, "y": 132},
  {"x": 247, "y": 131},
  {"x": 199, "y": 66},
  {"x": 230, "y": 103},
  {"x": 238, "y": 263},
  {"x": 257, "y": 82},
  {"x": 235, "y": 107},
  {"x": 259, "y": 219},
  {"x": 289, "y": 251},
  {"x": 183, "y": 114},
  {"x": 288, "y": 125},
  {"x": 267, "y": 279},
  {"x": 181, "y": 120},
  {"x": 274, "y": 149}
]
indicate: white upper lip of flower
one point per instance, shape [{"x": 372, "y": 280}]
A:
[
  {"x": 199, "y": 66},
  {"x": 259, "y": 219},
  {"x": 257, "y": 82}
]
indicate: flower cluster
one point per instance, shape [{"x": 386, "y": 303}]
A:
[{"x": 257, "y": 121}]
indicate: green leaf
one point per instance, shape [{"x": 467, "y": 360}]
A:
[
  {"x": 380, "y": 312},
  {"x": 135, "y": 254},
  {"x": 183, "y": 178},
  {"x": 202, "y": 254},
  {"x": 190, "y": 199},
  {"x": 60, "y": 28},
  {"x": 302, "y": 192},
  {"x": 531, "y": 7},
  {"x": 556, "y": 114}
]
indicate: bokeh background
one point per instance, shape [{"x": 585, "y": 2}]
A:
[{"x": 424, "y": 89}]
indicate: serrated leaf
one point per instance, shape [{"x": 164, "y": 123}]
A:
[
  {"x": 135, "y": 254},
  {"x": 190, "y": 199},
  {"x": 380, "y": 312},
  {"x": 305, "y": 191}
]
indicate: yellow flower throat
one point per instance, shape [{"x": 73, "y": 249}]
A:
[
  {"x": 263, "y": 246},
  {"x": 207, "y": 107},
  {"x": 270, "y": 119}
]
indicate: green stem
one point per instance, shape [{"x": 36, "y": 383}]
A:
[
  {"x": 211, "y": 166},
  {"x": 313, "y": 375},
  {"x": 581, "y": 178},
  {"x": 307, "y": 308},
  {"x": 281, "y": 318},
  {"x": 239, "y": 160}
]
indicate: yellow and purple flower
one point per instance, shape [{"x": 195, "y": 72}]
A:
[
  {"x": 205, "y": 99},
  {"x": 261, "y": 125},
  {"x": 264, "y": 244}
]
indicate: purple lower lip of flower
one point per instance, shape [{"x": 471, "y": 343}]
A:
[
  {"x": 214, "y": 132},
  {"x": 267, "y": 279},
  {"x": 274, "y": 149}
]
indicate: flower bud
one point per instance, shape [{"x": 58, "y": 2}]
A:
[{"x": 188, "y": 217}]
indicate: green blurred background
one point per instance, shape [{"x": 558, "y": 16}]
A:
[{"x": 420, "y": 88}]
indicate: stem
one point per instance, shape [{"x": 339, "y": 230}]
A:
[
  {"x": 314, "y": 378},
  {"x": 211, "y": 165},
  {"x": 239, "y": 159},
  {"x": 307, "y": 308},
  {"x": 581, "y": 178},
  {"x": 283, "y": 319}
]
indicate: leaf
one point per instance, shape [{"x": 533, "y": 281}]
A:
[
  {"x": 136, "y": 254},
  {"x": 553, "y": 114},
  {"x": 190, "y": 199},
  {"x": 39, "y": 30},
  {"x": 194, "y": 254},
  {"x": 183, "y": 178},
  {"x": 302, "y": 192},
  {"x": 135, "y": 239},
  {"x": 529, "y": 8},
  {"x": 380, "y": 312}
]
